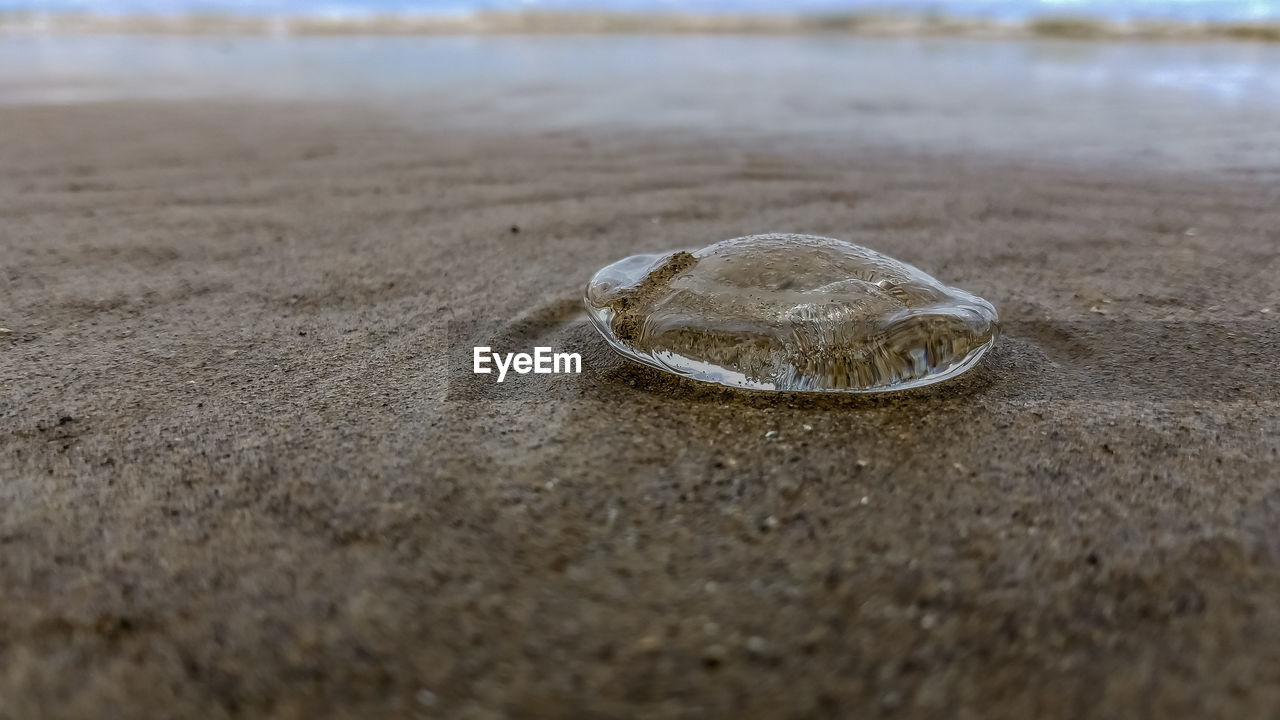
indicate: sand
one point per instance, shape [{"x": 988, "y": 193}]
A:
[{"x": 245, "y": 471}]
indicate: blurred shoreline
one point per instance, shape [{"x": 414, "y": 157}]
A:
[{"x": 1074, "y": 27}]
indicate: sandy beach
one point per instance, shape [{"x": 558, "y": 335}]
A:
[{"x": 245, "y": 470}]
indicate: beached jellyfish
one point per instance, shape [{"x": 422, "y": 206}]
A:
[{"x": 790, "y": 312}]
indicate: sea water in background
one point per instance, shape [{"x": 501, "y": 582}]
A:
[
  {"x": 1176, "y": 106},
  {"x": 1106, "y": 9}
]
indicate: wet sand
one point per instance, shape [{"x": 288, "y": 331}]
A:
[{"x": 246, "y": 473}]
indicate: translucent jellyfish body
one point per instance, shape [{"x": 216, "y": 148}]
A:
[{"x": 796, "y": 313}]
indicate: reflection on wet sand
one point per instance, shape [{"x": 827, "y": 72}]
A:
[{"x": 1181, "y": 106}]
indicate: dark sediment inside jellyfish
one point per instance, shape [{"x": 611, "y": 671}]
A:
[{"x": 792, "y": 313}]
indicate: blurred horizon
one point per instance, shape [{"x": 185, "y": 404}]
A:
[{"x": 1175, "y": 10}]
